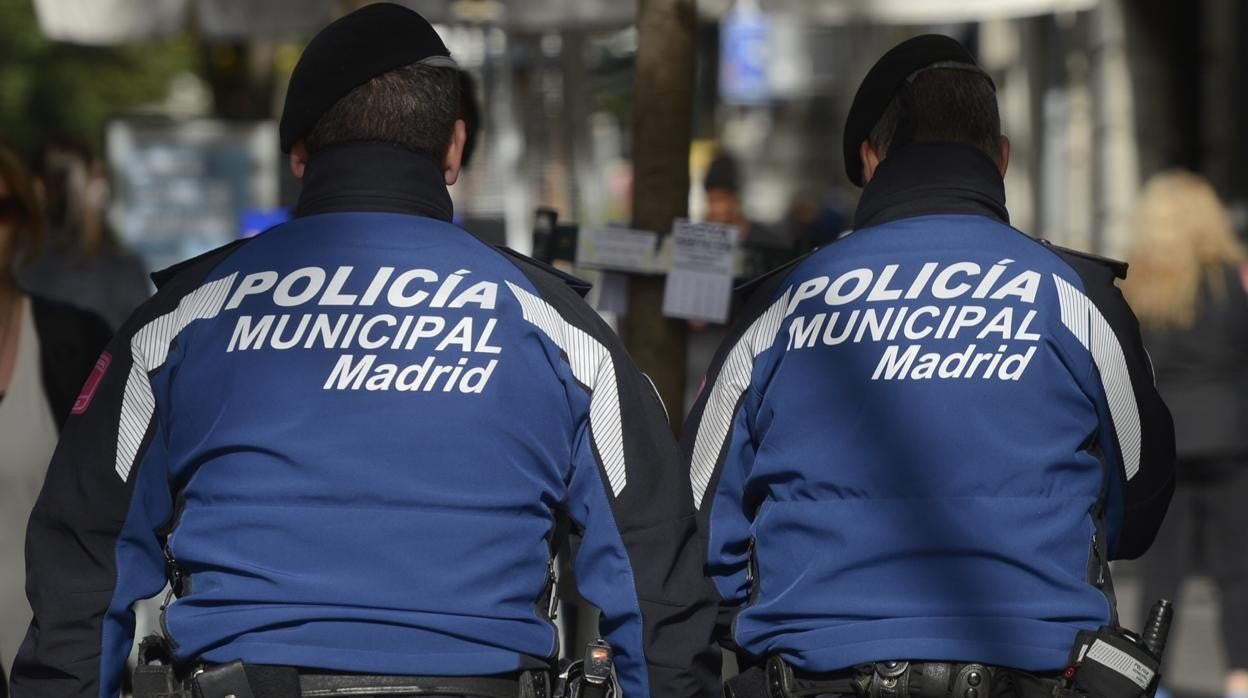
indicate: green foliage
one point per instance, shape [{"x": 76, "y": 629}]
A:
[{"x": 51, "y": 90}]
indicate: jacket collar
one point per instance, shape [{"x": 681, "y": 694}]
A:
[
  {"x": 921, "y": 179},
  {"x": 373, "y": 177}
]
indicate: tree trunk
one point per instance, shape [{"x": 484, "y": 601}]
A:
[{"x": 662, "y": 128}]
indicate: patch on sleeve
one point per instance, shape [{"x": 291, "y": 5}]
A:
[{"x": 93, "y": 382}]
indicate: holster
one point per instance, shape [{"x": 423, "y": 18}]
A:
[
  {"x": 157, "y": 682},
  {"x": 570, "y": 683},
  {"x": 1110, "y": 663},
  {"x": 155, "y": 675}
]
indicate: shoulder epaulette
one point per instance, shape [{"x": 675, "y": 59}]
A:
[
  {"x": 1118, "y": 267},
  {"x": 162, "y": 276},
  {"x": 748, "y": 287},
  {"x": 581, "y": 286}
]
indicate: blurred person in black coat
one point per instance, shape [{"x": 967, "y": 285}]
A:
[
  {"x": 1187, "y": 288},
  {"x": 47, "y": 350}
]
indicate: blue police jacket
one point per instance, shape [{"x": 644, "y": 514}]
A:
[
  {"x": 925, "y": 441},
  {"x": 353, "y": 435}
]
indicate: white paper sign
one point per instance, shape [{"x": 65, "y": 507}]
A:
[
  {"x": 699, "y": 286},
  {"x": 619, "y": 249}
]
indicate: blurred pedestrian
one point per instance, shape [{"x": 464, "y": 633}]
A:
[
  {"x": 47, "y": 350},
  {"x": 722, "y": 185},
  {"x": 759, "y": 247},
  {"x": 1187, "y": 288},
  {"x": 815, "y": 221},
  {"x": 83, "y": 262}
]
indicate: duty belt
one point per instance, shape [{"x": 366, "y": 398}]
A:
[
  {"x": 891, "y": 679},
  {"x": 263, "y": 681}
]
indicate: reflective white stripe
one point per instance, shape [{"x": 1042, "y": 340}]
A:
[
  {"x": 730, "y": 384},
  {"x": 1090, "y": 327},
  {"x": 593, "y": 368},
  {"x": 149, "y": 347}
]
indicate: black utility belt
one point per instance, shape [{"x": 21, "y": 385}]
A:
[
  {"x": 241, "y": 680},
  {"x": 1110, "y": 662},
  {"x": 891, "y": 679}
]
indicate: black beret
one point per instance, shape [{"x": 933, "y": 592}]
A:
[
  {"x": 882, "y": 81},
  {"x": 352, "y": 50}
]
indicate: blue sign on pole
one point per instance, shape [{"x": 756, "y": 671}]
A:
[{"x": 744, "y": 57}]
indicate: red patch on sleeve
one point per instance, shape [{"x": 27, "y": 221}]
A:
[{"x": 93, "y": 382}]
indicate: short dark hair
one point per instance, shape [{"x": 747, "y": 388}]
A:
[
  {"x": 947, "y": 105},
  {"x": 414, "y": 106},
  {"x": 723, "y": 173}
]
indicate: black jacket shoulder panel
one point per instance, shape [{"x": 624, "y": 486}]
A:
[
  {"x": 1081, "y": 260},
  {"x": 526, "y": 262},
  {"x": 164, "y": 276},
  {"x": 747, "y": 288}
]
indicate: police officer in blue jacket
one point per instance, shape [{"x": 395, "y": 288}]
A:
[
  {"x": 923, "y": 444},
  {"x": 346, "y": 442}
]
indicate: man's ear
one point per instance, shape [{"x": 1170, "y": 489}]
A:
[
  {"x": 454, "y": 152},
  {"x": 298, "y": 159},
  {"x": 870, "y": 161},
  {"x": 1005, "y": 155}
]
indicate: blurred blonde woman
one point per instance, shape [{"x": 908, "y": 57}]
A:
[
  {"x": 46, "y": 352},
  {"x": 1187, "y": 287}
]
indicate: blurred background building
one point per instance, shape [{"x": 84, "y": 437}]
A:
[
  {"x": 1096, "y": 95},
  {"x": 180, "y": 98}
]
